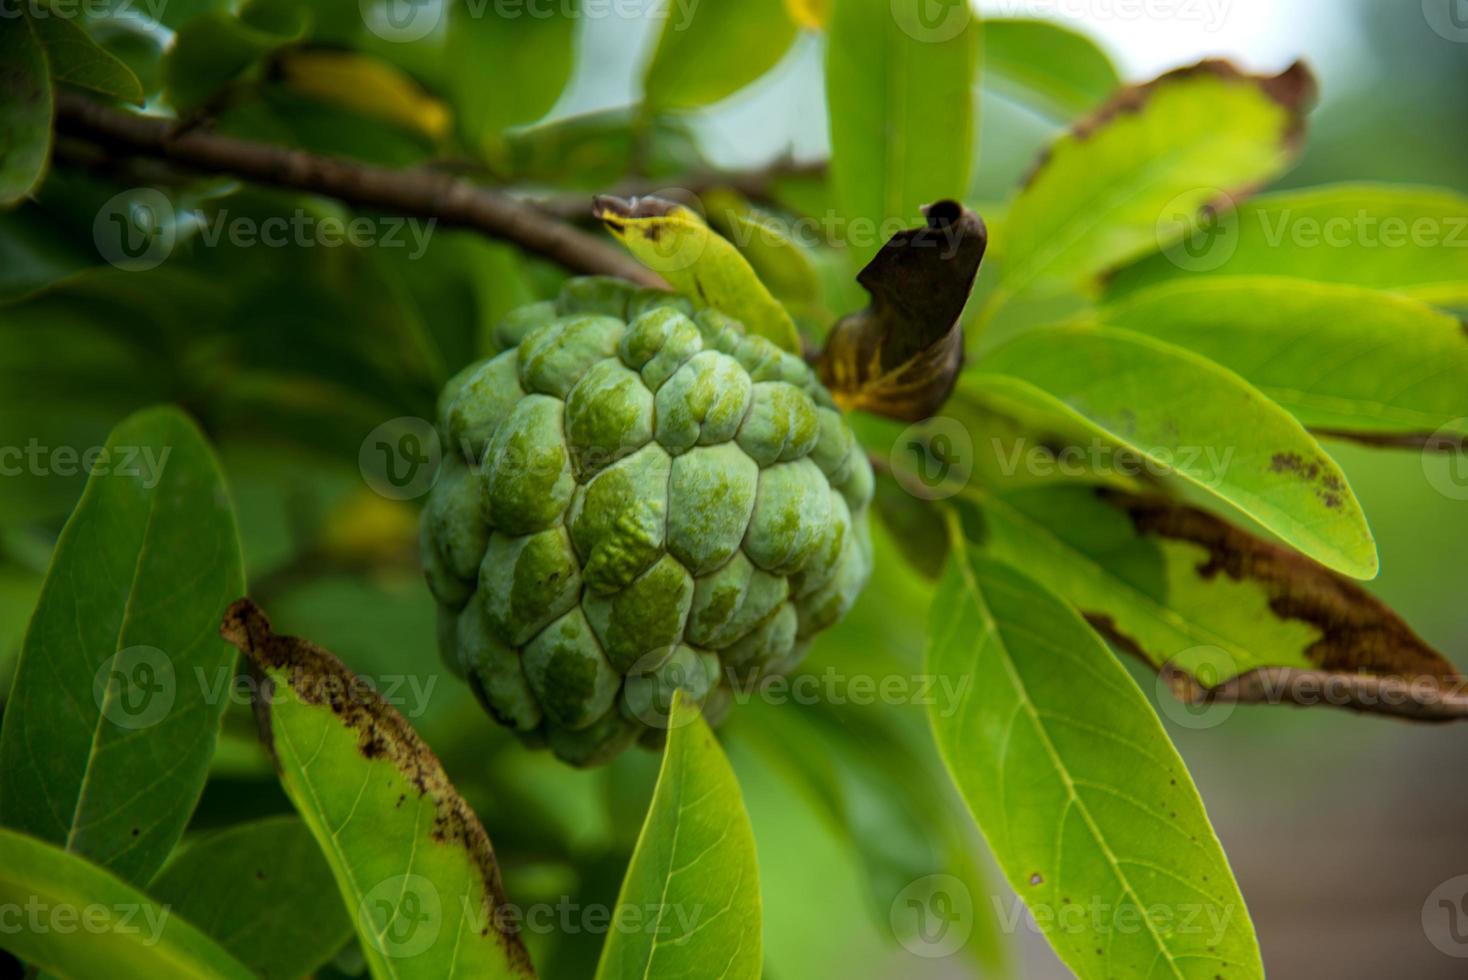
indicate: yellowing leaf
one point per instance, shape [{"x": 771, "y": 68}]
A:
[
  {"x": 674, "y": 242},
  {"x": 366, "y": 85},
  {"x": 812, "y": 14}
]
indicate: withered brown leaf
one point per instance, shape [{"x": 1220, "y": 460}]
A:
[{"x": 900, "y": 357}]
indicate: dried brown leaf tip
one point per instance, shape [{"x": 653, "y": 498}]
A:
[
  {"x": 1365, "y": 656},
  {"x": 320, "y": 679},
  {"x": 900, "y": 357}
]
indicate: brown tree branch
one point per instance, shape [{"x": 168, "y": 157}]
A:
[
  {"x": 1428, "y": 699},
  {"x": 452, "y": 201}
]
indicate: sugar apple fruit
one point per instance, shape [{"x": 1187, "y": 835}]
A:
[{"x": 636, "y": 497}]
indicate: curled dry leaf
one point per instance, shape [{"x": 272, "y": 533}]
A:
[{"x": 900, "y": 357}]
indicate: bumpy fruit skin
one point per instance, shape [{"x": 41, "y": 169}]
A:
[{"x": 636, "y": 498}]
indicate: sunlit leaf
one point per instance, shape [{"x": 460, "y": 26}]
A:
[
  {"x": 99, "y": 925},
  {"x": 675, "y": 243},
  {"x": 1188, "y": 418},
  {"x": 411, "y": 860},
  {"x": 1134, "y": 176},
  {"x": 121, "y": 683},
  {"x": 710, "y": 49},
  {"x": 1407, "y": 240},
  {"x": 365, "y": 85},
  {"x": 1089, "y": 809},
  {"x": 693, "y": 870},
  {"x": 1343, "y": 360},
  {"x": 899, "y": 84}
]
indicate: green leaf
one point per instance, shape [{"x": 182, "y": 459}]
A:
[
  {"x": 1407, "y": 240},
  {"x": 264, "y": 891},
  {"x": 25, "y": 113},
  {"x": 675, "y": 243},
  {"x": 76, "y": 59},
  {"x": 1132, "y": 178},
  {"x": 1062, "y": 70},
  {"x": 713, "y": 48},
  {"x": 533, "y": 46},
  {"x": 1180, "y": 587},
  {"x": 1087, "y": 806},
  {"x": 693, "y": 870},
  {"x": 1343, "y": 360},
  {"x": 121, "y": 683},
  {"x": 1184, "y": 416},
  {"x": 779, "y": 261},
  {"x": 217, "y": 47},
  {"x": 411, "y": 860},
  {"x": 91, "y": 924},
  {"x": 899, "y": 84}
]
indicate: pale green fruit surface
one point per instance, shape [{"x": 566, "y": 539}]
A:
[{"x": 634, "y": 499}]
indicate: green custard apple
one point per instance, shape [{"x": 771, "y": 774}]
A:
[{"x": 636, "y": 497}]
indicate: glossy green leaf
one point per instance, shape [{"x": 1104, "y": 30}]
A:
[
  {"x": 678, "y": 245},
  {"x": 1407, "y": 240},
  {"x": 263, "y": 890},
  {"x": 1180, "y": 587},
  {"x": 1043, "y": 62},
  {"x": 1089, "y": 809},
  {"x": 693, "y": 872},
  {"x": 710, "y": 49},
  {"x": 1184, "y": 416},
  {"x": 76, "y": 59},
  {"x": 412, "y": 863},
  {"x": 783, "y": 264},
  {"x": 121, "y": 683},
  {"x": 1133, "y": 177},
  {"x": 70, "y": 917},
  {"x": 1341, "y": 359},
  {"x": 899, "y": 84},
  {"x": 25, "y": 113},
  {"x": 532, "y": 45}
]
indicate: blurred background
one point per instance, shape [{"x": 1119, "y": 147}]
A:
[{"x": 1339, "y": 827}]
